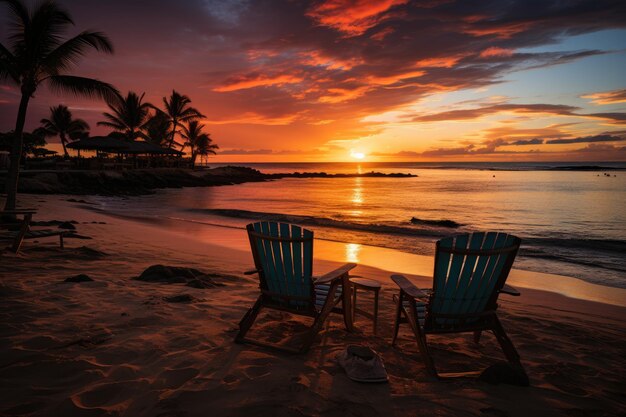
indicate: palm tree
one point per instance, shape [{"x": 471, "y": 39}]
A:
[
  {"x": 198, "y": 141},
  {"x": 157, "y": 129},
  {"x": 178, "y": 110},
  {"x": 38, "y": 54},
  {"x": 128, "y": 115},
  {"x": 62, "y": 125}
]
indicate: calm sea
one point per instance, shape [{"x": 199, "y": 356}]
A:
[{"x": 571, "y": 217}]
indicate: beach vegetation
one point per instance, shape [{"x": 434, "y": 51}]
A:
[
  {"x": 62, "y": 124},
  {"x": 129, "y": 115},
  {"x": 36, "y": 53},
  {"x": 178, "y": 110},
  {"x": 199, "y": 142}
]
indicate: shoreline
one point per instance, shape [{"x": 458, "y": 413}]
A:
[
  {"x": 232, "y": 237},
  {"x": 117, "y": 346}
]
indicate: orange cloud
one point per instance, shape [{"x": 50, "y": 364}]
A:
[
  {"x": 339, "y": 95},
  {"x": 256, "y": 80},
  {"x": 392, "y": 79},
  {"x": 439, "y": 62},
  {"x": 352, "y": 17},
  {"x": 258, "y": 119},
  {"x": 494, "y": 51},
  {"x": 318, "y": 59},
  {"x": 503, "y": 31},
  {"x": 607, "y": 97}
]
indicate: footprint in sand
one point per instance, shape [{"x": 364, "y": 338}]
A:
[
  {"x": 108, "y": 395},
  {"x": 175, "y": 378},
  {"x": 254, "y": 372}
]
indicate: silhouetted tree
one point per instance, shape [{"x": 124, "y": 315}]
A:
[
  {"x": 62, "y": 125},
  {"x": 157, "y": 130},
  {"x": 129, "y": 115},
  {"x": 36, "y": 54},
  {"x": 178, "y": 110},
  {"x": 199, "y": 142}
]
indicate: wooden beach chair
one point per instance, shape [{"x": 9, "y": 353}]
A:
[
  {"x": 470, "y": 273},
  {"x": 23, "y": 230},
  {"x": 283, "y": 260}
]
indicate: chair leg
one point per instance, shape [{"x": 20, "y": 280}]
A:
[
  {"x": 327, "y": 308},
  {"x": 477, "y": 336},
  {"x": 346, "y": 298},
  {"x": 248, "y": 319},
  {"x": 505, "y": 343},
  {"x": 396, "y": 325},
  {"x": 422, "y": 344},
  {"x": 19, "y": 238}
]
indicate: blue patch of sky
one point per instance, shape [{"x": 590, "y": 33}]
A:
[{"x": 562, "y": 84}]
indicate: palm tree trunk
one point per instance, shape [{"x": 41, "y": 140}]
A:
[
  {"x": 174, "y": 126},
  {"x": 194, "y": 154},
  {"x": 63, "y": 140},
  {"x": 16, "y": 153}
]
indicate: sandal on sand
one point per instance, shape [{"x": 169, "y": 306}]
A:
[{"x": 362, "y": 364}]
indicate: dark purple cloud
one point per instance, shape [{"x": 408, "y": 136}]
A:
[{"x": 272, "y": 63}]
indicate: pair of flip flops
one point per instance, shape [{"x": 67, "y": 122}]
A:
[{"x": 362, "y": 364}]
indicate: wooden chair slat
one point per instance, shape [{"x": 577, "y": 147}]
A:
[{"x": 283, "y": 258}]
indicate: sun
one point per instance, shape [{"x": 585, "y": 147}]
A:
[{"x": 357, "y": 155}]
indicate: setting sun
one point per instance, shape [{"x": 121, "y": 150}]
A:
[{"x": 357, "y": 155}]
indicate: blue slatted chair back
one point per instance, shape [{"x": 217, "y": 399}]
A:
[
  {"x": 283, "y": 255},
  {"x": 470, "y": 269}
]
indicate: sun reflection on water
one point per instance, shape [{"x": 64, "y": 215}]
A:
[
  {"x": 357, "y": 191},
  {"x": 352, "y": 252}
]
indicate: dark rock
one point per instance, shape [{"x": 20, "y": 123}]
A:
[
  {"x": 177, "y": 275},
  {"x": 440, "y": 223},
  {"x": 505, "y": 373},
  {"x": 87, "y": 253},
  {"x": 79, "y": 278},
  {"x": 67, "y": 225},
  {"x": 182, "y": 298},
  {"x": 145, "y": 181}
]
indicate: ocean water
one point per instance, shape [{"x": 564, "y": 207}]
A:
[{"x": 571, "y": 218}]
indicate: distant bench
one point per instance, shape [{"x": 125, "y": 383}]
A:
[{"x": 16, "y": 237}]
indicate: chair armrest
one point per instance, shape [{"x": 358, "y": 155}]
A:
[
  {"x": 408, "y": 287},
  {"x": 251, "y": 271},
  {"x": 507, "y": 289},
  {"x": 333, "y": 275}
]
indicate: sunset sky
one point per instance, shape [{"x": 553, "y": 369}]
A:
[{"x": 392, "y": 80}]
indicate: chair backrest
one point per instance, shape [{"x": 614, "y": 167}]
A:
[
  {"x": 470, "y": 270},
  {"x": 283, "y": 255}
]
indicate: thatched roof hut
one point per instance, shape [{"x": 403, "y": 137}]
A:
[{"x": 112, "y": 145}]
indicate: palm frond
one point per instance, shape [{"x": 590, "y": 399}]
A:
[
  {"x": 8, "y": 67},
  {"x": 82, "y": 86},
  {"x": 68, "y": 53},
  {"x": 21, "y": 18},
  {"x": 112, "y": 125},
  {"x": 48, "y": 22}
]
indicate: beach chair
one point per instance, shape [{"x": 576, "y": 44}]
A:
[
  {"x": 16, "y": 233},
  {"x": 283, "y": 260},
  {"x": 470, "y": 273}
]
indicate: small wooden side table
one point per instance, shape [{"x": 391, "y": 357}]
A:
[{"x": 367, "y": 285}]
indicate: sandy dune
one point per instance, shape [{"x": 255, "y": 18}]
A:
[{"x": 116, "y": 347}]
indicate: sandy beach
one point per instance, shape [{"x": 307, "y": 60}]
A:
[{"x": 121, "y": 347}]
